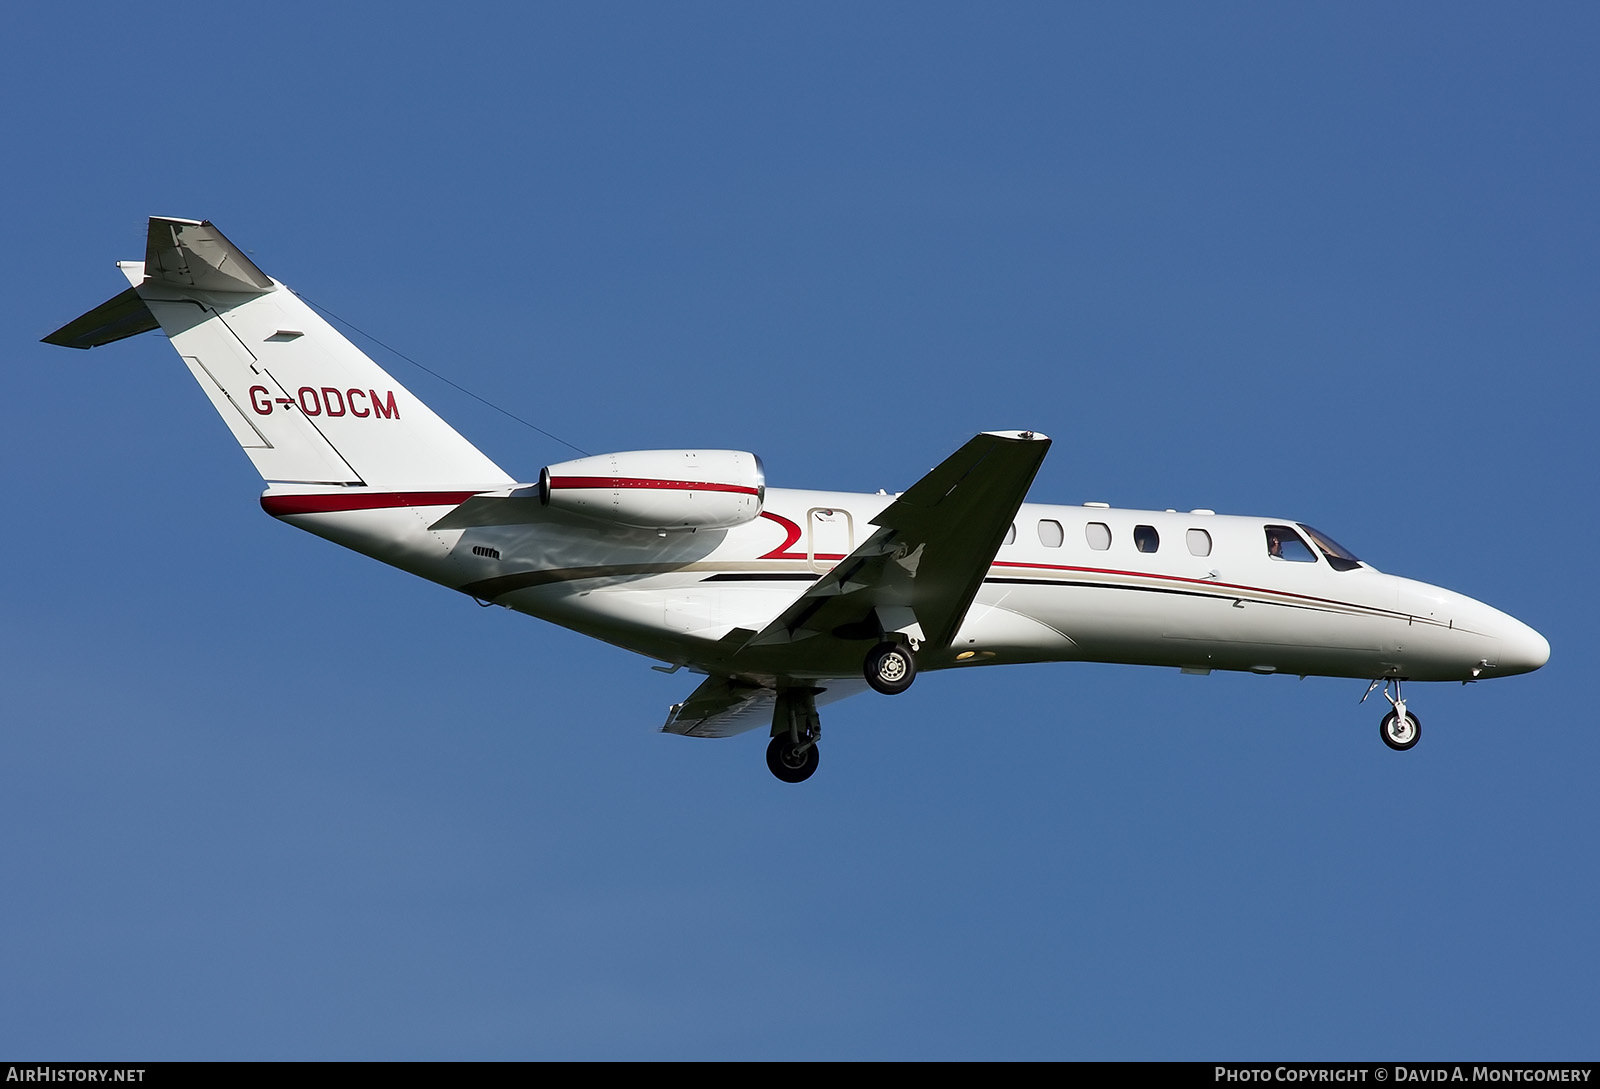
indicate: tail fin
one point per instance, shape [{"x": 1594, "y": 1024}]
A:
[{"x": 305, "y": 404}]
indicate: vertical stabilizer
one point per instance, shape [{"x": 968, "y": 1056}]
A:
[{"x": 304, "y": 403}]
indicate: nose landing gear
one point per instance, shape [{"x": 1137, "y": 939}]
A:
[{"x": 1400, "y": 729}]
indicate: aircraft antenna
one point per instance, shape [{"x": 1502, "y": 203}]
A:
[{"x": 429, "y": 370}]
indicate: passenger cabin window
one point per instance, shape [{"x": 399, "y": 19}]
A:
[
  {"x": 1283, "y": 543},
  {"x": 1050, "y": 533},
  {"x": 1098, "y": 534},
  {"x": 1011, "y": 534},
  {"x": 1146, "y": 539},
  {"x": 1199, "y": 542}
]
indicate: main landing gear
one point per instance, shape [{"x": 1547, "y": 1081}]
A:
[
  {"x": 1400, "y": 729},
  {"x": 792, "y": 753},
  {"x": 890, "y": 668}
]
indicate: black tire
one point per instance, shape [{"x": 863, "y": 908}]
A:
[
  {"x": 1398, "y": 736},
  {"x": 788, "y": 765},
  {"x": 890, "y": 668}
]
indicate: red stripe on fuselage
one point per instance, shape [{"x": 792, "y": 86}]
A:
[{"x": 332, "y": 502}]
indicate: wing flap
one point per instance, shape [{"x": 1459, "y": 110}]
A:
[
  {"x": 725, "y": 706},
  {"x": 721, "y": 707}
]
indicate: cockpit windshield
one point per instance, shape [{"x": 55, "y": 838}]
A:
[
  {"x": 1283, "y": 543},
  {"x": 1339, "y": 558}
]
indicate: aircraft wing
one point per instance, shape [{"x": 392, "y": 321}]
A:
[
  {"x": 920, "y": 570},
  {"x": 724, "y": 706},
  {"x": 516, "y": 506},
  {"x": 721, "y": 707}
]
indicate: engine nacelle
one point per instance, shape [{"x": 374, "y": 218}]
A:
[{"x": 659, "y": 489}]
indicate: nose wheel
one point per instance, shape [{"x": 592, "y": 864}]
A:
[{"x": 1400, "y": 729}]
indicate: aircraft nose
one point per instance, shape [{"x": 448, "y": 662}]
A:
[{"x": 1522, "y": 650}]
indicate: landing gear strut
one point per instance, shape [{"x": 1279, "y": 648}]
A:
[
  {"x": 792, "y": 753},
  {"x": 1400, "y": 728}
]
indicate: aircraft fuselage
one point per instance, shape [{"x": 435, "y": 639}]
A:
[{"x": 1194, "y": 591}]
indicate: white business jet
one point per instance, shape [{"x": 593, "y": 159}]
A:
[{"x": 781, "y": 599}]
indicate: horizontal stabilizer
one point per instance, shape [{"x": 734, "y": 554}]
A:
[
  {"x": 124, "y": 316},
  {"x": 178, "y": 252}
]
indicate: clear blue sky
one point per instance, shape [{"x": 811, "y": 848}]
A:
[{"x": 263, "y": 798}]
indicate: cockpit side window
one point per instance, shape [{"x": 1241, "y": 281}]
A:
[
  {"x": 1339, "y": 558},
  {"x": 1283, "y": 543}
]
